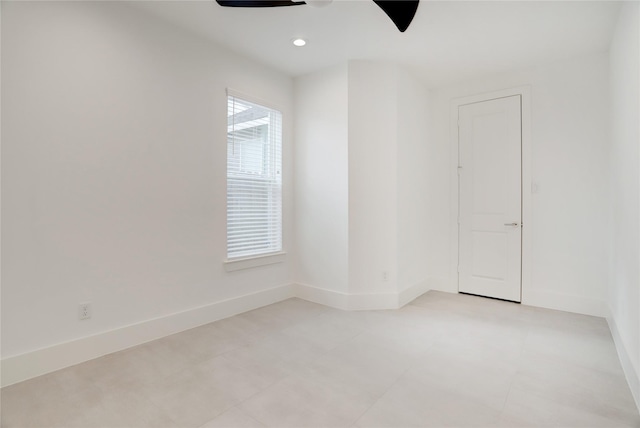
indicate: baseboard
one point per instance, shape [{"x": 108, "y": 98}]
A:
[
  {"x": 331, "y": 298},
  {"x": 627, "y": 366},
  {"x": 360, "y": 302},
  {"x": 42, "y": 361},
  {"x": 411, "y": 293},
  {"x": 26, "y": 366},
  {"x": 565, "y": 302},
  {"x": 344, "y": 301}
]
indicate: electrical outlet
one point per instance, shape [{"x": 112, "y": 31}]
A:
[
  {"x": 385, "y": 276},
  {"x": 84, "y": 311},
  {"x": 535, "y": 187}
]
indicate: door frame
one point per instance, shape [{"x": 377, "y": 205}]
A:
[{"x": 525, "y": 111}]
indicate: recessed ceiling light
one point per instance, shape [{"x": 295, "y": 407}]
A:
[{"x": 299, "y": 42}]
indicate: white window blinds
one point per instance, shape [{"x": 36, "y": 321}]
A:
[{"x": 254, "y": 179}]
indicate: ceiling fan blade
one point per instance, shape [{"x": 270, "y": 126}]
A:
[
  {"x": 258, "y": 3},
  {"x": 401, "y": 12}
]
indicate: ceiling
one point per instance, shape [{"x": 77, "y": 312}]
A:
[{"x": 448, "y": 40}]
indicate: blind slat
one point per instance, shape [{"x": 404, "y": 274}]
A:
[{"x": 254, "y": 182}]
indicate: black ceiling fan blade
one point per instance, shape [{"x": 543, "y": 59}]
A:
[
  {"x": 258, "y": 3},
  {"x": 401, "y": 12}
]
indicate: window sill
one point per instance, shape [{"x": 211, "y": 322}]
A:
[{"x": 255, "y": 261}]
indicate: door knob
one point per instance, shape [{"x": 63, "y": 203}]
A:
[{"x": 512, "y": 224}]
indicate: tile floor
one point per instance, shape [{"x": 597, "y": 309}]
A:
[{"x": 444, "y": 360}]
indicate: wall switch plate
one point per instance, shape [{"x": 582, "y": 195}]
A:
[{"x": 84, "y": 311}]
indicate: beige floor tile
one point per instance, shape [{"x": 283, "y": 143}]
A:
[
  {"x": 198, "y": 394},
  {"x": 326, "y": 331},
  {"x": 139, "y": 365},
  {"x": 233, "y": 418},
  {"x": 532, "y": 410},
  {"x": 566, "y": 321},
  {"x": 265, "y": 320},
  {"x": 298, "y": 310},
  {"x": 296, "y": 402},
  {"x": 281, "y": 315},
  {"x": 584, "y": 349},
  {"x": 45, "y": 402},
  {"x": 210, "y": 340},
  {"x": 410, "y": 403},
  {"x": 122, "y": 409},
  {"x": 502, "y": 351},
  {"x": 413, "y": 341},
  {"x": 445, "y": 360},
  {"x": 366, "y": 367},
  {"x": 476, "y": 381},
  {"x": 277, "y": 355},
  {"x": 594, "y": 391}
]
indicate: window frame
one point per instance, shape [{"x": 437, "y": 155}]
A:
[{"x": 275, "y": 254}]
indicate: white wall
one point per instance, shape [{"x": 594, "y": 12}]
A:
[
  {"x": 413, "y": 204},
  {"x": 113, "y": 170},
  {"x": 372, "y": 177},
  {"x": 361, "y": 204},
  {"x": 113, "y": 173},
  {"x": 570, "y": 126},
  {"x": 321, "y": 180},
  {"x": 624, "y": 292}
]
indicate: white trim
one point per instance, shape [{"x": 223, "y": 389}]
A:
[
  {"x": 409, "y": 294},
  {"x": 525, "y": 93},
  {"x": 331, "y": 298},
  {"x": 31, "y": 364},
  {"x": 566, "y": 302},
  {"x": 360, "y": 302},
  {"x": 256, "y": 100},
  {"x": 42, "y": 361},
  {"x": 25, "y": 366},
  {"x": 625, "y": 360},
  {"x": 345, "y": 301},
  {"x": 243, "y": 242},
  {"x": 254, "y": 261}
]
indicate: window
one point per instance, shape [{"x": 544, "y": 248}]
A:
[{"x": 254, "y": 179}]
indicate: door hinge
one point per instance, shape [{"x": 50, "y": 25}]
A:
[{"x": 458, "y": 268}]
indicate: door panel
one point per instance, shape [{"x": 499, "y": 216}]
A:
[{"x": 490, "y": 206}]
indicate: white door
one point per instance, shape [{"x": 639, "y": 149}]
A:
[{"x": 490, "y": 205}]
